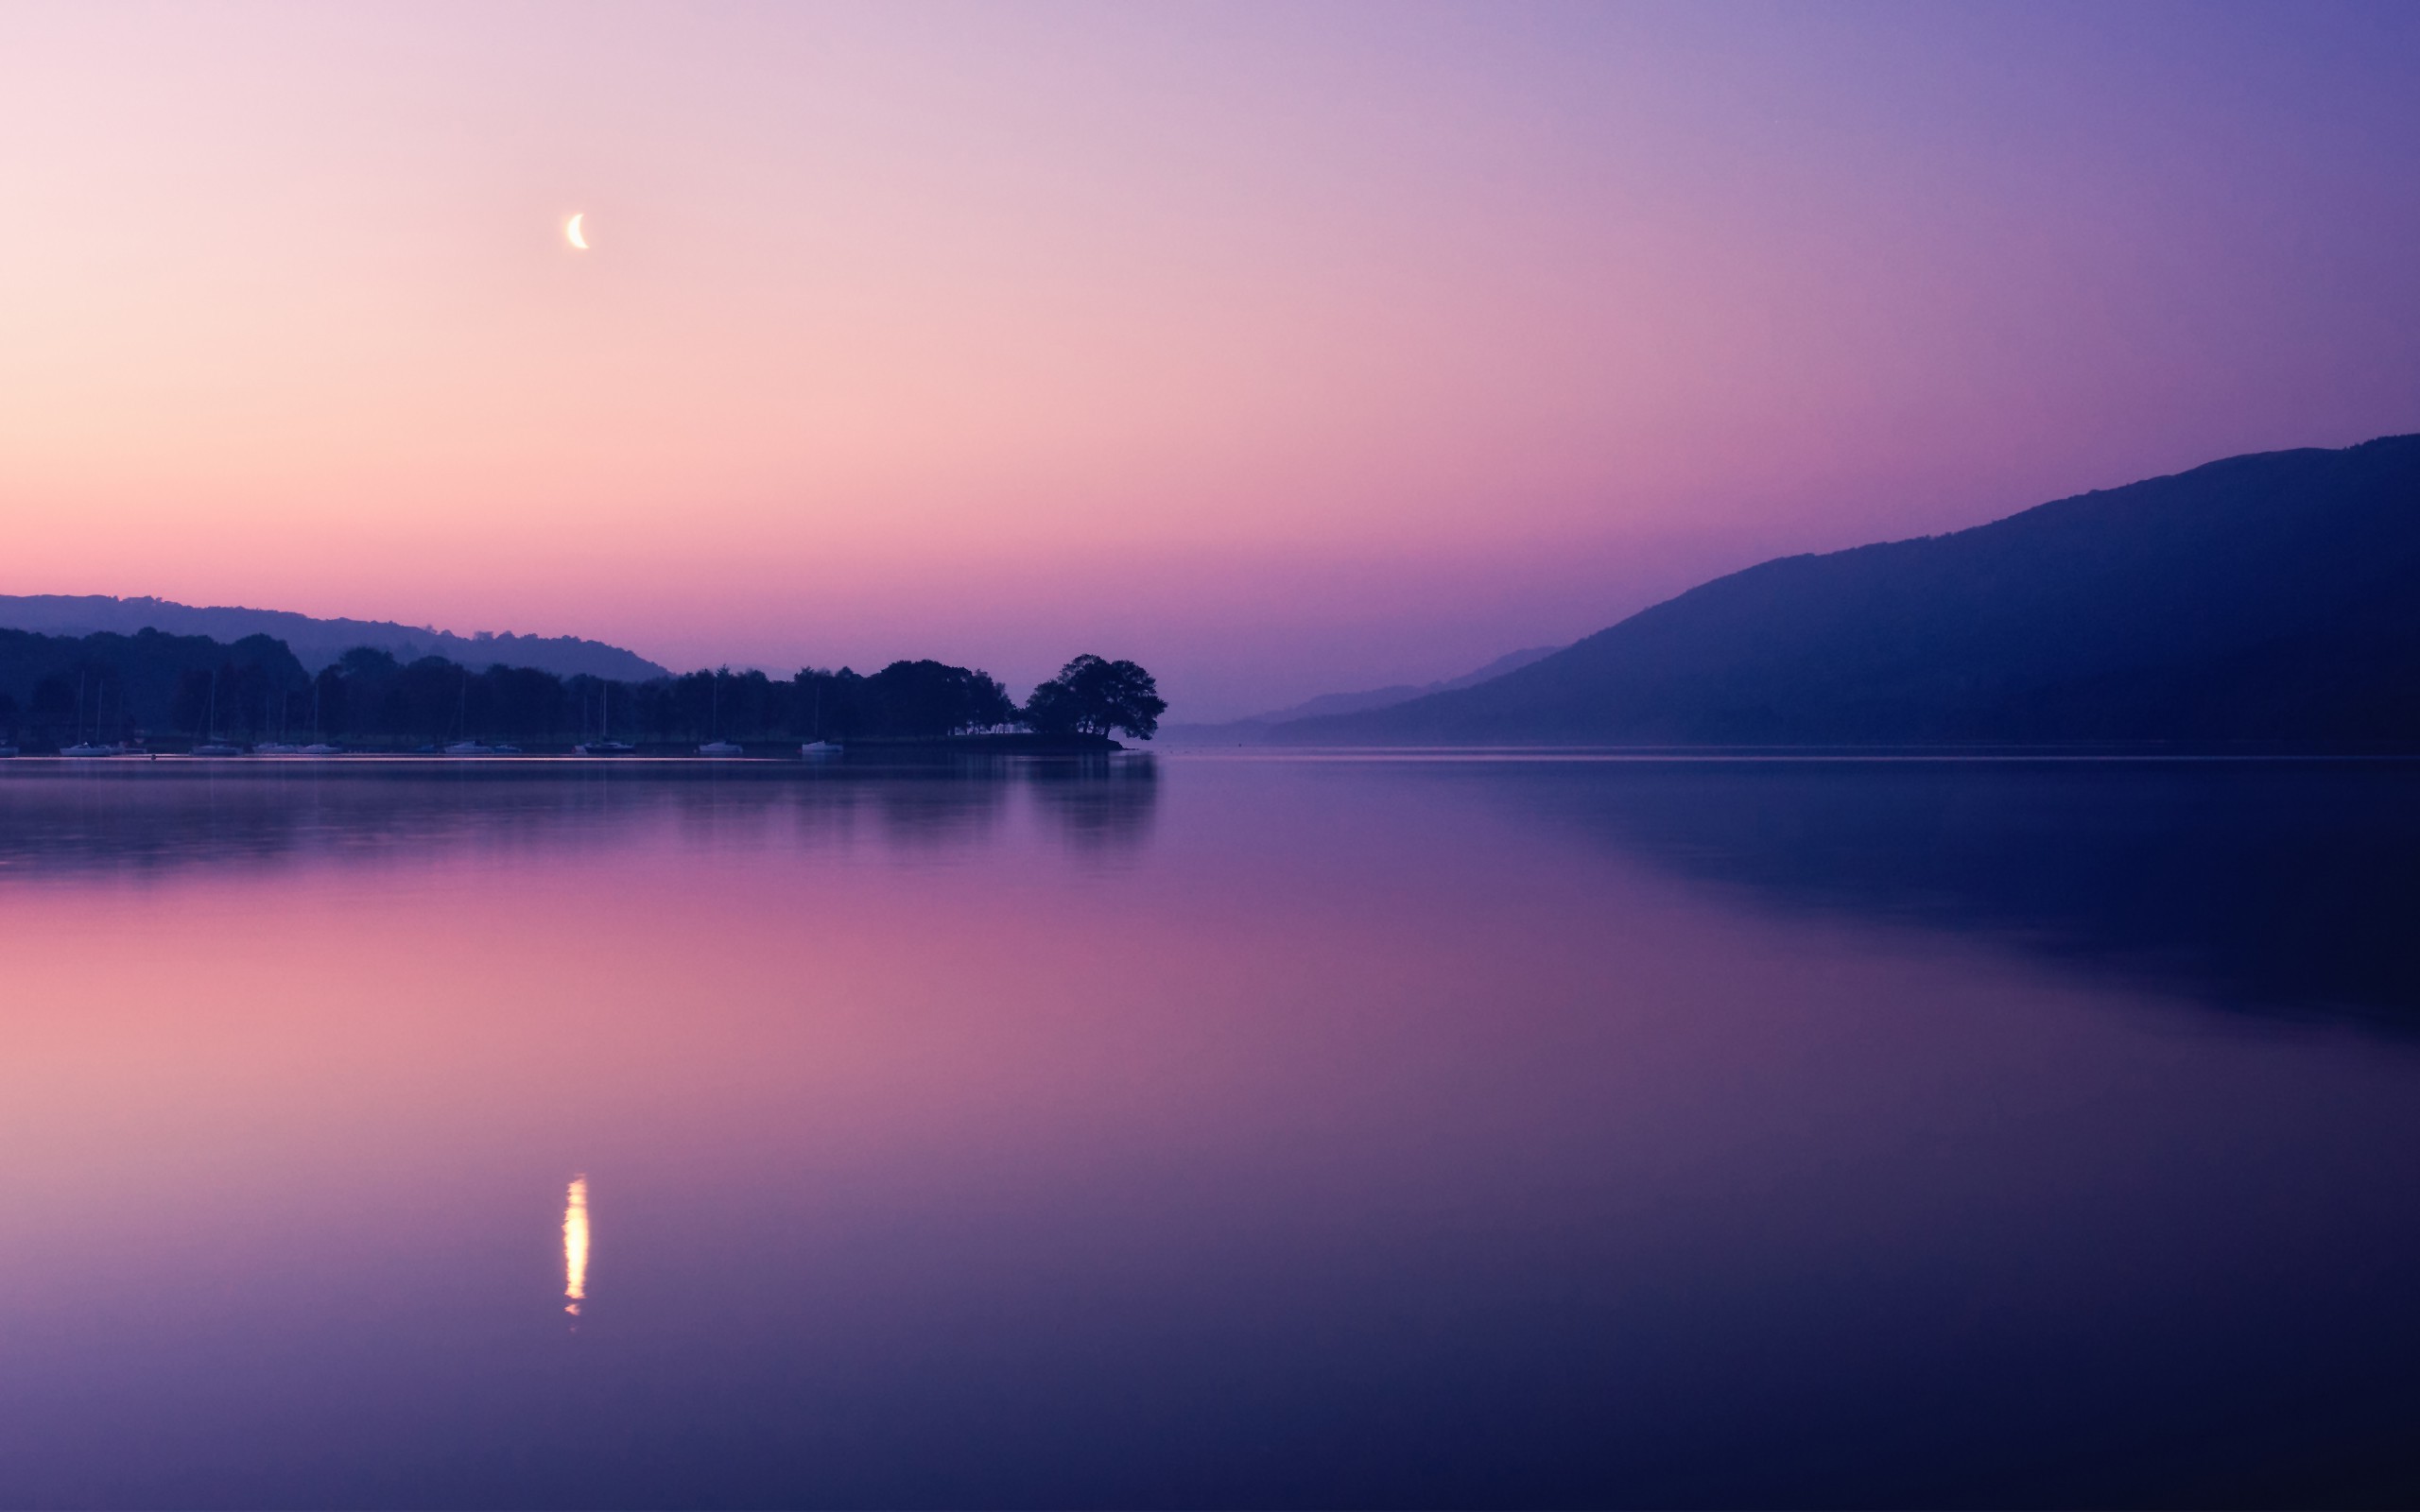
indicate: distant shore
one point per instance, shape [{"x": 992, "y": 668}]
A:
[{"x": 1011, "y": 743}]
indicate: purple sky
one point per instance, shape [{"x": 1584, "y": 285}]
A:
[{"x": 1286, "y": 349}]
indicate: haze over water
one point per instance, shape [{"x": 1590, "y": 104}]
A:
[{"x": 1196, "y": 1130}]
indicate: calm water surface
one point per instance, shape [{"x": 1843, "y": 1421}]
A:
[{"x": 1210, "y": 1131}]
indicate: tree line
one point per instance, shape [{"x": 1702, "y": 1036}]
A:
[{"x": 112, "y": 687}]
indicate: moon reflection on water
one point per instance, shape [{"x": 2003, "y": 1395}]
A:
[{"x": 576, "y": 1244}]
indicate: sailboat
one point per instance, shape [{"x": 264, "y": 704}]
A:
[
  {"x": 211, "y": 745},
  {"x": 277, "y": 718},
  {"x": 466, "y": 746},
  {"x": 87, "y": 748},
  {"x": 319, "y": 747},
  {"x": 719, "y": 746},
  {"x": 600, "y": 746},
  {"x": 819, "y": 748}
]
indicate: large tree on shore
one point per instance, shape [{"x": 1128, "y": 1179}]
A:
[
  {"x": 1094, "y": 696},
  {"x": 923, "y": 699}
]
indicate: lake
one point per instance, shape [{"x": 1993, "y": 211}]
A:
[{"x": 1200, "y": 1131}]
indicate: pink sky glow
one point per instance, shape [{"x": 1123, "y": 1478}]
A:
[{"x": 1286, "y": 349}]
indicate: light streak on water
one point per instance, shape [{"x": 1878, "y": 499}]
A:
[{"x": 576, "y": 1244}]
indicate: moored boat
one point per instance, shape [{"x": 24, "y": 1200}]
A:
[{"x": 721, "y": 748}]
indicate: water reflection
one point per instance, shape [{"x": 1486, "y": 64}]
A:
[
  {"x": 1101, "y": 805},
  {"x": 1369, "y": 1135},
  {"x": 2276, "y": 886},
  {"x": 153, "y": 818},
  {"x": 575, "y": 1246}
]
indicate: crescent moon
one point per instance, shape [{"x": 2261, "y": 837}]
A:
[{"x": 572, "y": 231}]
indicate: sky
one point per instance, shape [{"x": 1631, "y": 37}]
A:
[{"x": 1284, "y": 349}]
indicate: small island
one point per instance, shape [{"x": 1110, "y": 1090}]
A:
[{"x": 162, "y": 693}]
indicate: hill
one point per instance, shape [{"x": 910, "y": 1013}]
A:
[
  {"x": 1256, "y": 728},
  {"x": 317, "y": 643},
  {"x": 2271, "y": 597}
]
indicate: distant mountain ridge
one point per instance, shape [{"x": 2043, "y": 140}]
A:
[
  {"x": 317, "y": 643},
  {"x": 1255, "y": 727},
  {"x": 2272, "y": 597}
]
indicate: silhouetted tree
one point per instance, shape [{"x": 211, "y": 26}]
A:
[
  {"x": 828, "y": 705},
  {"x": 368, "y": 697},
  {"x": 189, "y": 705},
  {"x": 926, "y": 699},
  {"x": 1094, "y": 696},
  {"x": 54, "y": 705},
  {"x": 334, "y": 702},
  {"x": 368, "y": 661}
]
